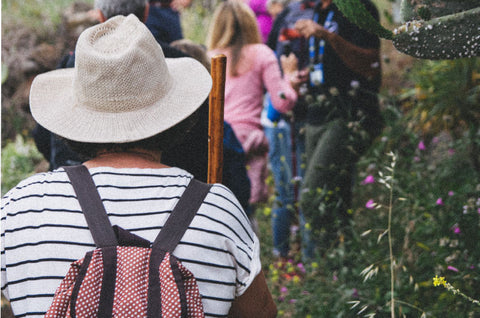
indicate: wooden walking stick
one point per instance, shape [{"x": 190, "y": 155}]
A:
[{"x": 215, "y": 119}]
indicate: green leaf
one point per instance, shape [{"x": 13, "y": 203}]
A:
[{"x": 356, "y": 12}]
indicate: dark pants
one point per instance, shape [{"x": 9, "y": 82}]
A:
[{"x": 332, "y": 150}]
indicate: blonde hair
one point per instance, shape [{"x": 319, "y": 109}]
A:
[{"x": 233, "y": 26}]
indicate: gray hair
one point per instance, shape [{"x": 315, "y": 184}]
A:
[
  {"x": 111, "y": 8},
  {"x": 282, "y": 2}
]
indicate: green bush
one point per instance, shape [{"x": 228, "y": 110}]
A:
[{"x": 19, "y": 159}]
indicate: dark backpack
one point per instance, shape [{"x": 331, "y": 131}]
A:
[{"x": 126, "y": 276}]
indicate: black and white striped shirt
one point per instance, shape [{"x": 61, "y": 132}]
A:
[{"x": 44, "y": 230}]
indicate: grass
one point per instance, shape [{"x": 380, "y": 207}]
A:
[{"x": 43, "y": 16}]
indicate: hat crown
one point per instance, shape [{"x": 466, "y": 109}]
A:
[{"x": 119, "y": 67}]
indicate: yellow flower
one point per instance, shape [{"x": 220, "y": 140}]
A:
[
  {"x": 267, "y": 211},
  {"x": 437, "y": 281},
  {"x": 314, "y": 265}
]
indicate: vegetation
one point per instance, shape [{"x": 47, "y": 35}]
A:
[
  {"x": 412, "y": 220},
  {"x": 42, "y": 16},
  {"x": 415, "y": 219}
]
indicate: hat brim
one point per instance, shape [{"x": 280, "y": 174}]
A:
[{"x": 53, "y": 106}]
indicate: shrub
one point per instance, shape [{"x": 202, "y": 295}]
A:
[{"x": 19, "y": 159}]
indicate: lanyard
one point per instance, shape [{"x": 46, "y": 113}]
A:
[{"x": 311, "y": 40}]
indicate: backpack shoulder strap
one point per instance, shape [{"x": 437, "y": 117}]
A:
[
  {"x": 181, "y": 216},
  {"x": 92, "y": 206}
]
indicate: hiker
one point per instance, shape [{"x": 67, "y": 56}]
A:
[
  {"x": 251, "y": 68},
  {"x": 342, "y": 119},
  {"x": 285, "y": 168},
  {"x": 59, "y": 154},
  {"x": 234, "y": 172},
  {"x": 121, "y": 105},
  {"x": 164, "y": 21},
  {"x": 264, "y": 19}
]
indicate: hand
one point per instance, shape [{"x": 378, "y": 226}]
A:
[
  {"x": 289, "y": 63},
  {"x": 179, "y": 5},
  {"x": 308, "y": 28}
]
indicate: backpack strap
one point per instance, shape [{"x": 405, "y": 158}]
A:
[
  {"x": 92, "y": 206},
  {"x": 168, "y": 238},
  {"x": 181, "y": 216}
]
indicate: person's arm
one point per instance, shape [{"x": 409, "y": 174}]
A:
[
  {"x": 364, "y": 61},
  {"x": 255, "y": 302},
  {"x": 282, "y": 93}
]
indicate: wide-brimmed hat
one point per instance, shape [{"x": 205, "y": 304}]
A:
[{"x": 122, "y": 88}]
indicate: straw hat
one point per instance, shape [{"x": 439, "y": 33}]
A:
[{"x": 122, "y": 88}]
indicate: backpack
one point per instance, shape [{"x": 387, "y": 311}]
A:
[{"x": 126, "y": 275}]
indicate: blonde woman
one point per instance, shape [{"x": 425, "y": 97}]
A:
[{"x": 252, "y": 68}]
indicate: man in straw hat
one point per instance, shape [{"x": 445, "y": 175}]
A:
[
  {"x": 59, "y": 154},
  {"x": 122, "y": 104}
]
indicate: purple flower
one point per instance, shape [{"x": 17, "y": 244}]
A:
[
  {"x": 456, "y": 230},
  {"x": 416, "y": 159},
  {"x": 435, "y": 140},
  {"x": 451, "y": 152},
  {"x": 292, "y": 301},
  {"x": 335, "y": 278},
  {"x": 454, "y": 269},
  {"x": 421, "y": 145},
  {"x": 439, "y": 201},
  {"x": 281, "y": 299},
  {"x": 368, "y": 180},
  {"x": 306, "y": 292},
  {"x": 284, "y": 290},
  {"x": 301, "y": 267},
  {"x": 355, "y": 293},
  {"x": 370, "y": 204},
  {"x": 451, "y": 193}
]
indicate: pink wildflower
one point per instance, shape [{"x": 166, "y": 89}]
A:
[
  {"x": 451, "y": 152},
  {"x": 451, "y": 193},
  {"x": 368, "y": 180},
  {"x": 292, "y": 301},
  {"x": 284, "y": 290},
  {"x": 454, "y": 269},
  {"x": 416, "y": 159},
  {"x": 355, "y": 293},
  {"x": 301, "y": 267},
  {"x": 370, "y": 204},
  {"x": 421, "y": 145},
  {"x": 435, "y": 140},
  {"x": 457, "y": 230},
  {"x": 439, "y": 201}
]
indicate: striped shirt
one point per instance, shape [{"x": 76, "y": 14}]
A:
[{"x": 43, "y": 230}]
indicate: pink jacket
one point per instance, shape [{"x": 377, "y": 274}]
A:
[
  {"x": 264, "y": 19},
  {"x": 259, "y": 70}
]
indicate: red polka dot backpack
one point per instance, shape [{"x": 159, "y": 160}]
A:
[{"x": 126, "y": 275}]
